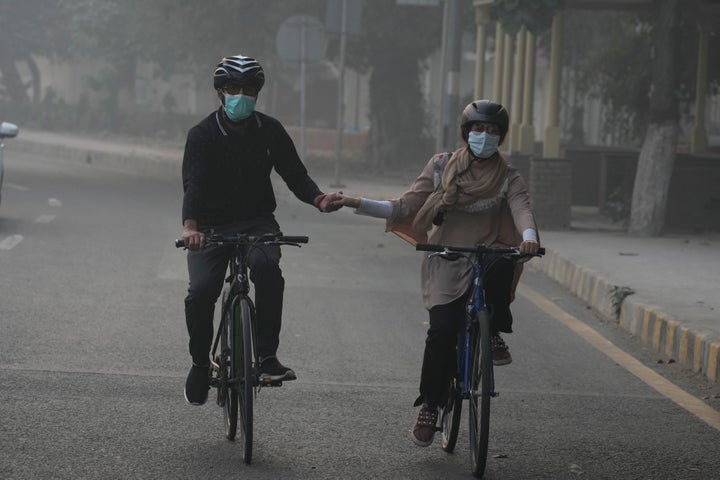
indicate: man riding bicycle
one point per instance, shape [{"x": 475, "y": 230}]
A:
[{"x": 228, "y": 159}]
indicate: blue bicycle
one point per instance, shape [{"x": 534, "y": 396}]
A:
[{"x": 475, "y": 380}]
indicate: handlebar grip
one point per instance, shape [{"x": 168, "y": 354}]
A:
[
  {"x": 296, "y": 239},
  {"x": 179, "y": 243},
  {"x": 425, "y": 247},
  {"x": 541, "y": 251}
]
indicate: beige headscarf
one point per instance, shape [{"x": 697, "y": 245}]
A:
[{"x": 462, "y": 185}]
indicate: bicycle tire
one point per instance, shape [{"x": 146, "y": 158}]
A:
[
  {"x": 245, "y": 372},
  {"x": 227, "y": 394},
  {"x": 480, "y": 387},
  {"x": 450, "y": 418}
]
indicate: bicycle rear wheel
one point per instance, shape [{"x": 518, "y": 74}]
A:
[
  {"x": 227, "y": 394},
  {"x": 245, "y": 372},
  {"x": 450, "y": 418},
  {"x": 481, "y": 392}
]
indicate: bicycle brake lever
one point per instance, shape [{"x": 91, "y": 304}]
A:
[{"x": 445, "y": 255}]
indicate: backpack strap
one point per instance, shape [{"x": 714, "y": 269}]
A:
[{"x": 439, "y": 163}]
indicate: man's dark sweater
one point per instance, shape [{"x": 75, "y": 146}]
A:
[{"x": 226, "y": 174}]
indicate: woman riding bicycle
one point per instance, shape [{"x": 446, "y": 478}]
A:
[{"x": 468, "y": 197}]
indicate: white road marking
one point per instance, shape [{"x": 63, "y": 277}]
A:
[
  {"x": 15, "y": 186},
  {"x": 54, "y": 202},
  {"x": 45, "y": 218},
  {"x": 10, "y": 242}
]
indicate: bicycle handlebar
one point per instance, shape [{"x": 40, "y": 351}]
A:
[
  {"x": 481, "y": 249},
  {"x": 243, "y": 239}
]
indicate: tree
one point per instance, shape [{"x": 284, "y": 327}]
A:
[
  {"x": 393, "y": 46},
  {"x": 117, "y": 35},
  {"x": 27, "y": 29},
  {"x": 657, "y": 156}
]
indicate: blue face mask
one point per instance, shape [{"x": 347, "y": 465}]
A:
[
  {"x": 239, "y": 107},
  {"x": 482, "y": 144}
]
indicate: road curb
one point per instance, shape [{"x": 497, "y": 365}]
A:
[
  {"x": 127, "y": 159},
  {"x": 694, "y": 349}
]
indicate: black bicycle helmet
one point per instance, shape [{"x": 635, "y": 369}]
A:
[
  {"x": 484, "y": 111},
  {"x": 239, "y": 69}
]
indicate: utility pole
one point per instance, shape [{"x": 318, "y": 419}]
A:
[
  {"x": 341, "y": 96},
  {"x": 450, "y": 76}
]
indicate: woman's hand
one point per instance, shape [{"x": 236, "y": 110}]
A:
[
  {"x": 342, "y": 200},
  {"x": 529, "y": 246}
]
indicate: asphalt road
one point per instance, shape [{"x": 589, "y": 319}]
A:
[{"x": 93, "y": 356}]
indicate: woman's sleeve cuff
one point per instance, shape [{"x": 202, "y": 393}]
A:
[
  {"x": 375, "y": 208},
  {"x": 529, "y": 235}
]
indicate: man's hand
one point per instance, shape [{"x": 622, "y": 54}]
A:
[
  {"x": 193, "y": 239},
  {"x": 326, "y": 202}
]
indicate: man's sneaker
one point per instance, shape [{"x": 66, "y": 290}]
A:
[
  {"x": 272, "y": 370},
  {"x": 424, "y": 428},
  {"x": 197, "y": 385},
  {"x": 501, "y": 354}
]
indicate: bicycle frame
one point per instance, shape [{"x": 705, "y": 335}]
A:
[{"x": 239, "y": 288}]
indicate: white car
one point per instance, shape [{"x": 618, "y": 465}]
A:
[{"x": 7, "y": 130}]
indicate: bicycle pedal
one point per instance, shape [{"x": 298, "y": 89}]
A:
[{"x": 267, "y": 382}]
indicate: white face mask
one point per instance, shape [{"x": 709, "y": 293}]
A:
[{"x": 483, "y": 145}]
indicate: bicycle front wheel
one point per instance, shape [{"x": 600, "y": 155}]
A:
[
  {"x": 227, "y": 394},
  {"x": 245, "y": 372},
  {"x": 450, "y": 418},
  {"x": 480, "y": 394}
]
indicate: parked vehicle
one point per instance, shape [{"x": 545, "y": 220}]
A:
[{"x": 7, "y": 130}]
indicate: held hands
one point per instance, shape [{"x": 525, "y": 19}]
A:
[
  {"x": 346, "y": 201},
  {"x": 328, "y": 202}
]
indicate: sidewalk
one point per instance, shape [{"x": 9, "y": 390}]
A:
[{"x": 662, "y": 290}]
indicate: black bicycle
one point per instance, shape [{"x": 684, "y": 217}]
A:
[
  {"x": 235, "y": 364},
  {"x": 475, "y": 379}
]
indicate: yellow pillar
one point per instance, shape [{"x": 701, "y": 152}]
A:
[
  {"x": 551, "y": 143},
  {"x": 517, "y": 96},
  {"x": 482, "y": 18},
  {"x": 507, "y": 72},
  {"x": 527, "y": 131},
  {"x": 699, "y": 142},
  {"x": 499, "y": 55}
]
